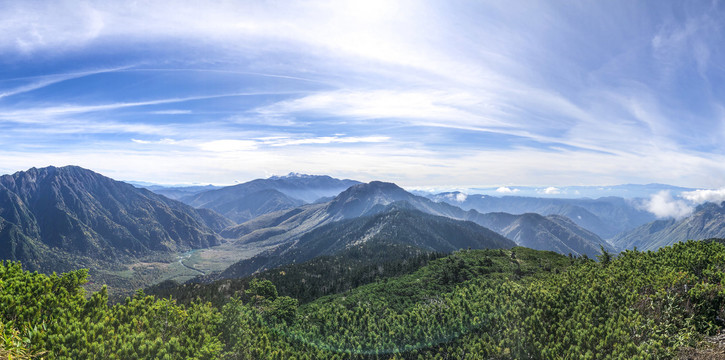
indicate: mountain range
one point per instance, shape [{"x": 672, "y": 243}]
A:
[
  {"x": 291, "y": 229},
  {"x": 246, "y": 201},
  {"x": 606, "y": 216}
]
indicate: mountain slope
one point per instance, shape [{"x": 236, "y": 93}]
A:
[
  {"x": 81, "y": 216},
  {"x": 246, "y": 201},
  {"x": 396, "y": 225},
  {"x": 707, "y": 221},
  {"x": 553, "y": 232},
  {"x": 606, "y": 217}
]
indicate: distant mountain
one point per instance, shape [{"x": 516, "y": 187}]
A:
[
  {"x": 396, "y": 225},
  {"x": 627, "y": 191},
  {"x": 285, "y": 227},
  {"x": 553, "y": 232},
  {"x": 177, "y": 192},
  {"x": 707, "y": 221},
  {"x": 246, "y": 201},
  {"x": 55, "y": 219},
  {"x": 606, "y": 217}
]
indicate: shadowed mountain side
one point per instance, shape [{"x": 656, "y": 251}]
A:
[
  {"x": 397, "y": 224},
  {"x": 553, "y": 232},
  {"x": 707, "y": 221},
  {"x": 73, "y": 213}
]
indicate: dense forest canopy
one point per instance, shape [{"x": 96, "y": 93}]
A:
[{"x": 517, "y": 303}]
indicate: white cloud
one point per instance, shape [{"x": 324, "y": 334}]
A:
[
  {"x": 552, "y": 190},
  {"x": 703, "y": 196},
  {"x": 228, "y": 145},
  {"x": 457, "y": 196},
  {"x": 663, "y": 205},
  {"x": 506, "y": 190}
]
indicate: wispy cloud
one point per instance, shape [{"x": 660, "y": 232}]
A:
[
  {"x": 171, "y": 112},
  {"x": 44, "y": 114},
  {"x": 158, "y": 142},
  {"x": 389, "y": 104},
  {"x": 226, "y": 146},
  {"x": 428, "y": 93},
  {"x": 325, "y": 140},
  {"x": 39, "y": 82}
]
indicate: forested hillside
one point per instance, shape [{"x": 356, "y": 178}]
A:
[
  {"x": 553, "y": 232},
  {"x": 506, "y": 304},
  {"x": 307, "y": 281}
]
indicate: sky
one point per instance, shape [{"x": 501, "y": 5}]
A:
[{"x": 421, "y": 93}]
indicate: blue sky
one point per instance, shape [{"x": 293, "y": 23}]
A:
[{"x": 421, "y": 93}]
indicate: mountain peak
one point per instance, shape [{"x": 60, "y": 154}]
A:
[
  {"x": 376, "y": 186},
  {"x": 294, "y": 175},
  {"x": 85, "y": 215},
  {"x": 363, "y": 198}
]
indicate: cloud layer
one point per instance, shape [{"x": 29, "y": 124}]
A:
[{"x": 422, "y": 93}]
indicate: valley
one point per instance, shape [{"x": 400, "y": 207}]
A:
[
  {"x": 309, "y": 255},
  {"x": 362, "y": 180}
]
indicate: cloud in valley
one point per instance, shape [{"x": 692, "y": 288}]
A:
[
  {"x": 551, "y": 191},
  {"x": 506, "y": 190},
  {"x": 664, "y": 205}
]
